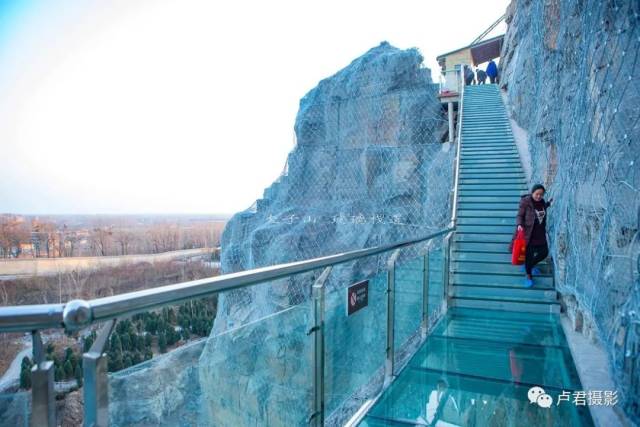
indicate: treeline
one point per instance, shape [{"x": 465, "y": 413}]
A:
[
  {"x": 133, "y": 340},
  {"x": 22, "y": 236}
]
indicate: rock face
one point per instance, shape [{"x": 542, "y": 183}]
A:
[
  {"x": 570, "y": 71},
  {"x": 365, "y": 171},
  {"x": 368, "y": 169},
  {"x": 162, "y": 391}
]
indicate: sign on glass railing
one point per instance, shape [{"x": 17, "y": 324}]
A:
[{"x": 357, "y": 296}]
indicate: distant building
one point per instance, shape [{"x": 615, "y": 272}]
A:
[{"x": 471, "y": 55}]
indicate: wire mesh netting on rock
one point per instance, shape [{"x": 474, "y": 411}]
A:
[{"x": 570, "y": 69}]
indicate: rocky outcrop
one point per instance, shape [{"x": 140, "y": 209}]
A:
[
  {"x": 570, "y": 72},
  {"x": 368, "y": 169}
]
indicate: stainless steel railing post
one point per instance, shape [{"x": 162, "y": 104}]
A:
[
  {"x": 318, "y": 295},
  {"x": 391, "y": 284},
  {"x": 43, "y": 411},
  {"x": 446, "y": 268},
  {"x": 424, "y": 326},
  {"x": 96, "y": 383}
]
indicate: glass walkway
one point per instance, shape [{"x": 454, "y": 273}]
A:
[{"x": 476, "y": 369}]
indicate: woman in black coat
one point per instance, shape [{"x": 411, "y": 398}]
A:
[{"x": 532, "y": 218}]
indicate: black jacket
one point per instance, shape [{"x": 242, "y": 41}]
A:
[{"x": 526, "y": 218}]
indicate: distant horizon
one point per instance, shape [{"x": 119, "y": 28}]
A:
[{"x": 225, "y": 215}]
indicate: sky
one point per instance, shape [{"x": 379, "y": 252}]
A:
[{"x": 181, "y": 106}]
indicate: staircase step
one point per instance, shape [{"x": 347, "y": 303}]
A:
[
  {"x": 489, "y": 199},
  {"x": 499, "y": 330},
  {"x": 486, "y": 167},
  {"x": 488, "y": 214},
  {"x": 472, "y": 119},
  {"x": 489, "y": 229},
  {"x": 491, "y": 304},
  {"x": 486, "y": 130},
  {"x": 512, "y": 207},
  {"x": 495, "y": 258},
  {"x": 504, "y": 153},
  {"x": 508, "y": 176},
  {"x": 481, "y": 115},
  {"x": 464, "y": 156},
  {"x": 502, "y": 293},
  {"x": 480, "y": 247},
  {"x": 483, "y": 237},
  {"x": 491, "y": 268},
  {"x": 489, "y": 169},
  {"x": 475, "y": 118},
  {"x": 489, "y": 152},
  {"x": 480, "y": 192},
  {"x": 473, "y": 122},
  {"x": 476, "y": 146},
  {"x": 490, "y": 187},
  {"x": 488, "y": 144},
  {"x": 505, "y": 181},
  {"x": 502, "y": 137},
  {"x": 489, "y": 220},
  {"x": 485, "y": 137},
  {"x": 492, "y": 161},
  {"x": 514, "y": 281},
  {"x": 492, "y": 171}
]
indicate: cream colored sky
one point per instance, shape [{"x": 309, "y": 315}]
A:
[{"x": 181, "y": 106}]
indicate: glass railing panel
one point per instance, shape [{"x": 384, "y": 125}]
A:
[
  {"x": 409, "y": 276},
  {"x": 254, "y": 370},
  {"x": 355, "y": 344},
  {"x": 436, "y": 288}
]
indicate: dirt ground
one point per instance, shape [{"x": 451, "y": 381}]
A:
[{"x": 9, "y": 346}]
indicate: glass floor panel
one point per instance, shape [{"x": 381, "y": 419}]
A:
[{"x": 476, "y": 369}]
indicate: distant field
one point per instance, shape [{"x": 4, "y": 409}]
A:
[{"x": 12, "y": 268}]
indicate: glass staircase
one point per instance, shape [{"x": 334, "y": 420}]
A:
[{"x": 498, "y": 339}]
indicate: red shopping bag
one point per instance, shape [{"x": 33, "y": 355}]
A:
[{"x": 519, "y": 249}]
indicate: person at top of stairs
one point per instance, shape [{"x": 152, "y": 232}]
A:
[
  {"x": 532, "y": 218},
  {"x": 492, "y": 72}
]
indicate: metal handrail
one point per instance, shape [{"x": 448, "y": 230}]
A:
[
  {"x": 454, "y": 213},
  {"x": 77, "y": 314}
]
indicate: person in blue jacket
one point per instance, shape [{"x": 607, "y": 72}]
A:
[{"x": 492, "y": 72}]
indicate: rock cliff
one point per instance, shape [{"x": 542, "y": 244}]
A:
[{"x": 570, "y": 72}]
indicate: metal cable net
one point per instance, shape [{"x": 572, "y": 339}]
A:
[
  {"x": 368, "y": 169},
  {"x": 572, "y": 80}
]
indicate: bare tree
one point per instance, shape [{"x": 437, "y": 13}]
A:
[
  {"x": 124, "y": 239},
  {"x": 101, "y": 238},
  {"x": 14, "y": 232}
]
